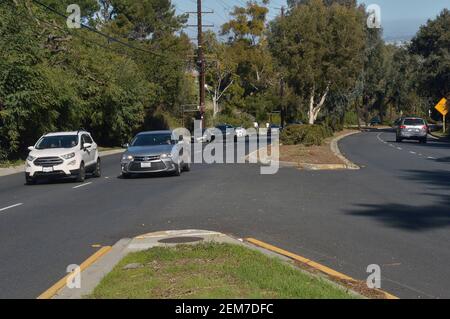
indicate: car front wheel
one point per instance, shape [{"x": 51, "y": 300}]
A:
[
  {"x": 30, "y": 180},
  {"x": 187, "y": 167},
  {"x": 98, "y": 168},
  {"x": 178, "y": 169},
  {"x": 81, "y": 174}
]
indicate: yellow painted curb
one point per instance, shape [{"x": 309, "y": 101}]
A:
[
  {"x": 53, "y": 290},
  {"x": 324, "y": 269}
]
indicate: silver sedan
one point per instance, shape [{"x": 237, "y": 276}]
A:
[{"x": 155, "y": 152}]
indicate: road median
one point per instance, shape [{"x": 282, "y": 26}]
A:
[
  {"x": 325, "y": 157},
  {"x": 199, "y": 264}
]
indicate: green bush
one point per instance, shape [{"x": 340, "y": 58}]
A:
[
  {"x": 307, "y": 135},
  {"x": 350, "y": 118},
  {"x": 242, "y": 119}
]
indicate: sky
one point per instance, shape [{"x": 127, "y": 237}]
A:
[{"x": 401, "y": 19}]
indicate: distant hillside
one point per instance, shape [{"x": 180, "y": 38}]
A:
[{"x": 401, "y": 30}]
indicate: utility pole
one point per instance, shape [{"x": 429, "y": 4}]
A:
[
  {"x": 201, "y": 63},
  {"x": 282, "y": 106}
]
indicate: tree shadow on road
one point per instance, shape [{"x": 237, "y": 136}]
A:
[
  {"x": 410, "y": 217},
  {"x": 443, "y": 160}
]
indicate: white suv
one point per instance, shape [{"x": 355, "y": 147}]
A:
[{"x": 62, "y": 155}]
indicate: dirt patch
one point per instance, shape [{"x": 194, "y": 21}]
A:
[
  {"x": 313, "y": 154},
  {"x": 357, "y": 286}
]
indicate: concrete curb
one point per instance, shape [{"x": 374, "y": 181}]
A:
[
  {"x": 335, "y": 149},
  {"x": 439, "y": 138},
  {"x": 93, "y": 275},
  {"x": 21, "y": 168}
]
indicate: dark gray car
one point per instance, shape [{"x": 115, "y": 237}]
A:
[
  {"x": 156, "y": 152},
  {"x": 412, "y": 128}
]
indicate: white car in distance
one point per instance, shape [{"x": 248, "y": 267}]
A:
[
  {"x": 63, "y": 155},
  {"x": 241, "y": 132}
]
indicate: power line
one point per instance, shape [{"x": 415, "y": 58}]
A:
[{"x": 108, "y": 37}]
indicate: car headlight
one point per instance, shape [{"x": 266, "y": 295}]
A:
[
  {"x": 30, "y": 158},
  {"x": 166, "y": 156},
  {"x": 68, "y": 156},
  {"x": 126, "y": 157}
]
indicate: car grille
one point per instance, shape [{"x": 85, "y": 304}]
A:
[
  {"x": 48, "y": 161},
  {"x": 146, "y": 158},
  {"x": 156, "y": 166}
]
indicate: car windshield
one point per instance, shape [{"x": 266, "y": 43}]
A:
[
  {"x": 153, "y": 139},
  {"x": 224, "y": 127},
  {"x": 64, "y": 141},
  {"x": 414, "y": 122}
]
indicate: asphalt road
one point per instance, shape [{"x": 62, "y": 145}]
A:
[{"x": 394, "y": 213}]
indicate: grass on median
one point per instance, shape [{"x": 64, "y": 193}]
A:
[
  {"x": 105, "y": 149},
  {"x": 211, "y": 271}
]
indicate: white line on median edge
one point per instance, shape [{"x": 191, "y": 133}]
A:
[
  {"x": 9, "y": 207},
  {"x": 82, "y": 185}
]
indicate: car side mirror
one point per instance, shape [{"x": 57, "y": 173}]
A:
[
  {"x": 87, "y": 145},
  {"x": 31, "y": 148},
  {"x": 126, "y": 145}
]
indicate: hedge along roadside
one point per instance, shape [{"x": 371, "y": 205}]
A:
[{"x": 307, "y": 135}]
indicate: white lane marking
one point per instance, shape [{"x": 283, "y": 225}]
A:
[
  {"x": 9, "y": 207},
  {"x": 82, "y": 185},
  {"x": 401, "y": 149},
  {"x": 379, "y": 138}
]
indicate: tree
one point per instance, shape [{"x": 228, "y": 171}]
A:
[
  {"x": 221, "y": 72},
  {"x": 432, "y": 45},
  {"x": 54, "y": 78},
  {"x": 145, "y": 19},
  {"x": 248, "y": 22},
  {"x": 321, "y": 48},
  {"x": 346, "y": 3}
]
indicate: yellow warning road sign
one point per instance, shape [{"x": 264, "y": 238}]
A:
[{"x": 442, "y": 107}]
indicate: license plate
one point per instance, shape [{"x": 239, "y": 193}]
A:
[
  {"x": 146, "y": 165},
  {"x": 47, "y": 169}
]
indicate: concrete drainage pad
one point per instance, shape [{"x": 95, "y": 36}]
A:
[
  {"x": 180, "y": 240},
  {"x": 177, "y": 237}
]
